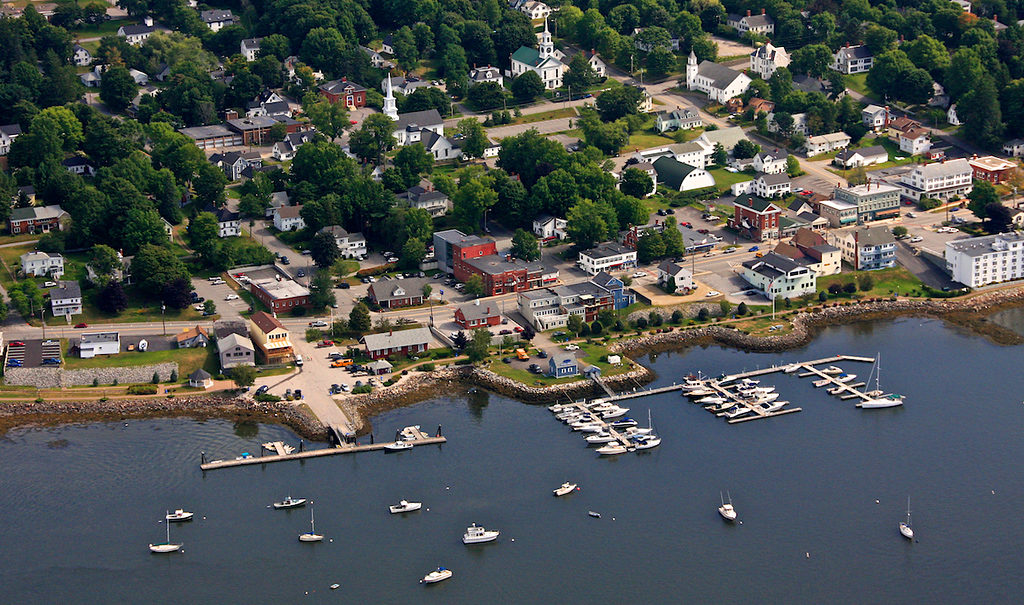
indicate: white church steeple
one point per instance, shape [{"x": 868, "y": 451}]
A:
[
  {"x": 390, "y": 106},
  {"x": 691, "y": 71},
  {"x": 547, "y": 47}
]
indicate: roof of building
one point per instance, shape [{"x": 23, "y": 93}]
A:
[
  {"x": 914, "y": 133},
  {"x": 720, "y": 75},
  {"x": 206, "y": 132},
  {"x": 100, "y": 337},
  {"x": 475, "y": 311},
  {"x": 379, "y": 364},
  {"x": 251, "y": 43},
  {"x": 778, "y": 153},
  {"x": 223, "y": 327},
  {"x": 66, "y": 290},
  {"x": 607, "y": 249},
  {"x": 864, "y": 152},
  {"x": 604, "y": 278},
  {"x": 671, "y": 268},
  {"x": 496, "y": 264},
  {"x": 874, "y": 236},
  {"x": 199, "y": 375},
  {"x": 38, "y": 255},
  {"x": 398, "y": 288},
  {"x": 11, "y": 129},
  {"x": 223, "y": 214},
  {"x": 340, "y": 86},
  {"x": 484, "y": 74},
  {"x": 134, "y": 30},
  {"x": 774, "y": 179},
  {"x": 771, "y": 265},
  {"x": 454, "y": 236},
  {"x": 672, "y": 172},
  {"x": 289, "y": 211},
  {"x": 991, "y": 162},
  {"x": 563, "y": 359},
  {"x": 401, "y": 338},
  {"x": 832, "y": 137},
  {"x": 190, "y": 333},
  {"x": 756, "y": 204},
  {"x": 869, "y": 188},
  {"x": 286, "y": 288},
  {"x": 232, "y": 340},
  {"x": 266, "y": 322},
  {"x": 216, "y": 15},
  {"x": 805, "y": 83},
  {"x": 769, "y": 52},
  {"x": 420, "y": 119},
  {"x": 728, "y": 137},
  {"x": 808, "y": 238},
  {"x": 855, "y": 52},
  {"x": 678, "y": 114},
  {"x": 944, "y": 168},
  {"x": 873, "y": 109},
  {"x": 977, "y": 246},
  {"x": 37, "y": 213}
]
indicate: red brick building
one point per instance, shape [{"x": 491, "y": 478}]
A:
[
  {"x": 37, "y": 219},
  {"x": 990, "y": 168},
  {"x": 500, "y": 274},
  {"x": 477, "y": 316},
  {"x": 280, "y": 295},
  {"x": 755, "y": 218},
  {"x": 342, "y": 91}
]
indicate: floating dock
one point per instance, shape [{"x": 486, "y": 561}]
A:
[{"x": 410, "y": 434}]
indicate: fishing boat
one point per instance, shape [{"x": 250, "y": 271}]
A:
[
  {"x": 166, "y": 546},
  {"x": 438, "y": 575},
  {"x": 398, "y": 446},
  {"x": 726, "y": 510},
  {"x": 476, "y": 535},
  {"x": 566, "y": 488},
  {"x": 905, "y": 529},
  {"x": 832, "y": 370},
  {"x": 178, "y": 516},
  {"x": 404, "y": 507},
  {"x": 611, "y": 449},
  {"x": 594, "y": 514},
  {"x": 290, "y": 502},
  {"x": 311, "y": 535},
  {"x": 602, "y": 437}
]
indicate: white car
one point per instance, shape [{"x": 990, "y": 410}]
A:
[
  {"x": 916, "y": 238},
  {"x": 640, "y": 274},
  {"x": 231, "y": 297},
  {"x": 572, "y": 347},
  {"x": 712, "y": 293}
]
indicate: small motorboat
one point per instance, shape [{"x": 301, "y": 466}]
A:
[
  {"x": 837, "y": 390},
  {"x": 594, "y": 514},
  {"x": 611, "y": 449},
  {"x": 646, "y": 442},
  {"x": 639, "y": 430},
  {"x": 405, "y": 507},
  {"x": 832, "y": 370},
  {"x": 766, "y": 397},
  {"x": 749, "y": 382},
  {"x": 588, "y": 427},
  {"x": 476, "y": 535},
  {"x": 335, "y": 586},
  {"x": 178, "y": 516},
  {"x": 711, "y": 399},
  {"x": 438, "y": 575},
  {"x": 726, "y": 510},
  {"x": 624, "y": 423},
  {"x": 737, "y": 411},
  {"x": 773, "y": 407},
  {"x": 615, "y": 412},
  {"x": 566, "y": 488},
  {"x": 700, "y": 392},
  {"x": 557, "y": 408},
  {"x": 889, "y": 401},
  {"x": 602, "y": 437},
  {"x": 290, "y": 502},
  {"x": 791, "y": 368},
  {"x": 398, "y": 446},
  {"x": 822, "y": 382},
  {"x": 846, "y": 377}
]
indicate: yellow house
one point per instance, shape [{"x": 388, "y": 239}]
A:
[{"x": 270, "y": 337}]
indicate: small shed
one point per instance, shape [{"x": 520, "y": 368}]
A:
[
  {"x": 563, "y": 365},
  {"x": 381, "y": 366},
  {"x": 200, "y": 379}
]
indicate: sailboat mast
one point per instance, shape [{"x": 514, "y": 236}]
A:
[{"x": 167, "y": 526}]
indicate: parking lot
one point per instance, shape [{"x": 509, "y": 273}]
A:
[{"x": 31, "y": 353}]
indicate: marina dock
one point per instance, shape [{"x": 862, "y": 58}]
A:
[{"x": 410, "y": 434}]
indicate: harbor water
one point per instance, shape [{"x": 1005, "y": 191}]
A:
[{"x": 819, "y": 495}]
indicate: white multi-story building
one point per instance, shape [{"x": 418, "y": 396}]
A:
[
  {"x": 866, "y": 248},
  {"x": 217, "y": 19},
  {"x": 250, "y": 48},
  {"x": 771, "y": 162},
  {"x": 915, "y": 141},
  {"x": 137, "y": 34},
  {"x": 82, "y": 56},
  {"x": 851, "y": 60},
  {"x": 66, "y": 299},
  {"x": 777, "y": 276},
  {"x": 989, "y": 259},
  {"x": 758, "y": 24},
  {"x": 766, "y": 59},
  {"x": 717, "y": 81},
  {"x": 824, "y": 143},
  {"x": 940, "y": 180},
  {"x": 289, "y": 218},
  {"x": 8, "y": 132},
  {"x": 549, "y": 227},
  {"x": 607, "y": 257},
  {"x": 541, "y": 60},
  {"x": 38, "y": 264},
  {"x": 351, "y": 245}
]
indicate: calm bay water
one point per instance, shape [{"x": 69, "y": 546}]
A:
[{"x": 80, "y": 503}]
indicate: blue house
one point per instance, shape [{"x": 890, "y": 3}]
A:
[
  {"x": 623, "y": 296},
  {"x": 563, "y": 365}
]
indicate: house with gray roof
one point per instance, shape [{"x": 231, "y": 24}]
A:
[
  {"x": 863, "y": 156},
  {"x": 866, "y": 248},
  {"x": 66, "y": 299},
  {"x": 677, "y": 119},
  {"x": 397, "y": 293},
  {"x": 541, "y": 60},
  {"x": 234, "y": 350},
  {"x": 410, "y": 126},
  {"x": 563, "y": 365},
  {"x": 851, "y": 60},
  {"x": 477, "y": 315},
  {"x": 675, "y": 276},
  {"x": 217, "y": 19},
  {"x": 777, "y": 276},
  {"x": 758, "y": 24},
  {"x": 719, "y": 82},
  {"x": 399, "y": 343}
]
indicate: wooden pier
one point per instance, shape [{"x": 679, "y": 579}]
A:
[
  {"x": 410, "y": 434},
  {"x": 581, "y": 406}
]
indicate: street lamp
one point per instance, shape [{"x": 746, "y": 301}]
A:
[{"x": 163, "y": 320}]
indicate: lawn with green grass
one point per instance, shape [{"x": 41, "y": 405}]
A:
[
  {"x": 886, "y": 282},
  {"x": 503, "y": 369},
  {"x": 554, "y": 114},
  {"x": 647, "y": 140},
  {"x": 725, "y": 179},
  {"x": 858, "y": 83},
  {"x": 103, "y": 29},
  {"x": 188, "y": 360}
]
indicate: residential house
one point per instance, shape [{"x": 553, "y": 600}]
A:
[
  {"x": 726, "y": 137},
  {"x": 675, "y": 277},
  {"x": 397, "y": 293},
  {"x": 351, "y": 245},
  {"x": 864, "y": 156},
  {"x": 502, "y": 274},
  {"x": 548, "y": 228},
  {"x": 901, "y": 124},
  {"x": 376, "y": 60},
  {"x": 990, "y": 168},
  {"x": 452, "y": 245},
  {"x": 229, "y": 224},
  {"x": 593, "y": 60},
  {"x": 799, "y": 124},
  {"x": 82, "y": 56},
  {"x": 271, "y": 338},
  {"x": 766, "y": 59},
  {"x": 404, "y": 84},
  {"x": 622, "y": 296},
  {"x": 137, "y": 34},
  {"x": 677, "y": 119},
  {"x": 99, "y": 343},
  {"x": 235, "y": 350},
  {"x": 989, "y": 259},
  {"x": 347, "y": 93},
  {"x": 285, "y": 149},
  {"x": 875, "y": 117},
  {"x": 531, "y": 8},
  {"x": 234, "y": 162},
  {"x": 168, "y": 228},
  {"x": 92, "y": 78},
  {"x": 439, "y": 146},
  {"x": 1013, "y": 148},
  {"x": 719, "y": 82},
  {"x": 200, "y": 379},
  {"x": 607, "y": 257},
  {"x": 280, "y": 294},
  {"x": 289, "y": 218},
  {"x": 563, "y": 365},
  {"x": 278, "y": 199},
  {"x": 694, "y": 153},
  {"x": 851, "y": 60},
  {"x": 550, "y": 308},
  {"x": 648, "y": 169},
  {"x": 425, "y": 197},
  {"x": 951, "y": 116},
  {"x": 400, "y": 343},
  {"x": 760, "y": 106},
  {"x": 758, "y": 24},
  {"x": 250, "y": 48},
  {"x": 765, "y": 186},
  {"x": 8, "y": 132},
  {"x": 268, "y": 103},
  {"x": 810, "y": 249},
  {"x": 387, "y": 44},
  {"x": 915, "y": 141},
  {"x": 484, "y": 75},
  {"x": 874, "y": 200},
  {"x": 217, "y": 19},
  {"x": 77, "y": 164},
  {"x": 771, "y": 162},
  {"x": 379, "y": 367},
  {"x": 541, "y": 60},
  {"x": 475, "y": 315},
  {"x": 192, "y": 338},
  {"x": 965, "y": 6},
  {"x": 141, "y": 78},
  {"x": 755, "y": 218},
  {"x": 945, "y": 180},
  {"x": 66, "y": 299},
  {"x": 810, "y": 84},
  {"x": 681, "y": 177},
  {"x": 825, "y": 143},
  {"x": 410, "y": 126},
  {"x": 866, "y": 248},
  {"x": 777, "y": 276},
  {"x": 37, "y": 219}
]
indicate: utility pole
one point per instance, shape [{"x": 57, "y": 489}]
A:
[{"x": 163, "y": 319}]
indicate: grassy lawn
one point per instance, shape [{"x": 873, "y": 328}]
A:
[
  {"x": 103, "y": 29},
  {"x": 731, "y": 58},
  {"x": 189, "y": 360},
  {"x": 344, "y": 267},
  {"x": 858, "y": 83},
  {"x": 683, "y": 136},
  {"x": 892, "y": 147},
  {"x": 503, "y": 369},
  {"x": 646, "y": 140},
  {"x": 726, "y": 179},
  {"x": 554, "y": 114},
  {"x": 886, "y": 281}
]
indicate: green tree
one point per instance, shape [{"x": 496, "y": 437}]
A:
[
  {"x": 413, "y": 251},
  {"x": 209, "y": 307},
  {"x": 997, "y": 218},
  {"x": 865, "y": 283},
  {"x": 243, "y": 376},
  {"x": 575, "y": 323},
  {"x": 104, "y": 261},
  {"x": 673, "y": 238},
  {"x": 112, "y": 298},
  {"x": 203, "y": 233},
  {"x": 406, "y": 52},
  {"x": 474, "y": 286},
  {"x": 323, "y": 249},
  {"x": 879, "y": 39},
  {"x": 980, "y": 197},
  {"x": 359, "y": 318},
  {"x": 209, "y": 185},
  {"x": 745, "y": 149},
  {"x": 580, "y": 74},
  {"x": 525, "y": 245},
  {"x": 980, "y": 113},
  {"x": 478, "y": 345},
  {"x": 650, "y": 247},
  {"x": 412, "y": 161},
  {"x": 619, "y": 102},
  {"x": 814, "y": 60},
  {"x": 118, "y": 88},
  {"x": 660, "y": 62},
  {"x": 719, "y": 156},
  {"x": 27, "y": 298},
  {"x": 470, "y": 202},
  {"x": 486, "y": 95},
  {"x": 373, "y": 139},
  {"x": 329, "y": 118},
  {"x": 630, "y": 211},
  {"x": 927, "y": 53},
  {"x": 474, "y": 137},
  {"x": 899, "y": 231},
  {"x": 155, "y": 266},
  {"x": 636, "y": 183},
  {"x": 321, "y": 290},
  {"x": 609, "y": 137},
  {"x": 585, "y": 225},
  {"x": 527, "y": 87}
]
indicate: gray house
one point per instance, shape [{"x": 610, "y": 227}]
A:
[
  {"x": 563, "y": 365},
  {"x": 235, "y": 350}
]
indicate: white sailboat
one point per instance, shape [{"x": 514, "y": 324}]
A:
[
  {"x": 905, "y": 529},
  {"x": 726, "y": 510},
  {"x": 311, "y": 535},
  {"x": 167, "y": 546},
  {"x": 881, "y": 401}
]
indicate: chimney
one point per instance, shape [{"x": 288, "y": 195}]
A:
[
  {"x": 748, "y": 13},
  {"x": 488, "y": 310},
  {"x": 148, "y": 21},
  {"x": 847, "y": 44},
  {"x": 763, "y": 11},
  {"x": 230, "y": 114}
]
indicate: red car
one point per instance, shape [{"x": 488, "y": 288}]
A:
[
  {"x": 702, "y": 231},
  {"x": 82, "y": 325},
  {"x": 17, "y": 343},
  {"x": 686, "y": 224}
]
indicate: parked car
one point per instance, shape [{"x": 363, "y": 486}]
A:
[
  {"x": 542, "y": 354},
  {"x": 916, "y": 239},
  {"x": 318, "y": 324},
  {"x": 687, "y": 224},
  {"x": 231, "y": 297},
  {"x": 911, "y": 215},
  {"x": 285, "y": 261},
  {"x": 335, "y": 356},
  {"x": 82, "y": 325},
  {"x": 534, "y": 368},
  {"x": 307, "y": 252},
  {"x": 49, "y": 284},
  {"x": 505, "y": 332},
  {"x": 17, "y": 343},
  {"x": 728, "y": 250},
  {"x": 263, "y": 389},
  {"x": 506, "y": 360},
  {"x": 712, "y": 293},
  {"x": 753, "y": 249},
  {"x": 344, "y": 285},
  {"x": 298, "y": 360},
  {"x": 340, "y": 363},
  {"x": 572, "y": 347},
  {"x": 517, "y": 329},
  {"x": 639, "y": 274},
  {"x": 298, "y": 393}
]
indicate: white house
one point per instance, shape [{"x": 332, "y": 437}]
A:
[
  {"x": 875, "y": 117},
  {"x": 1013, "y": 148},
  {"x": 593, "y": 60},
  {"x": 771, "y": 162},
  {"x": 436, "y": 203},
  {"x": 758, "y": 24},
  {"x": 777, "y": 276},
  {"x": 483, "y": 75},
  {"x": 989, "y": 259},
  {"x": 915, "y": 141},
  {"x": 99, "y": 343},
  {"x": 78, "y": 165},
  {"x": 250, "y": 48},
  {"x": 137, "y": 34},
  {"x": 943, "y": 180},
  {"x": 531, "y": 8},
  {"x": 951, "y": 116},
  {"x": 866, "y": 248},
  {"x": 681, "y": 177},
  {"x": 229, "y": 224},
  {"x": 351, "y": 245},
  {"x": 680, "y": 277},
  {"x": 766, "y": 59},
  {"x": 607, "y": 257},
  {"x": 404, "y": 84},
  {"x": 726, "y": 137},
  {"x": 851, "y": 60},
  {"x": 439, "y": 146},
  {"x": 766, "y": 186},
  {"x": 548, "y": 227},
  {"x": 824, "y": 143},
  {"x": 8, "y": 132},
  {"x": 288, "y": 218},
  {"x": 541, "y": 60},
  {"x": 410, "y": 126},
  {"x": 376, "y": 59},
  {"x": 66, "y": 299},
  {"x": 799, "y": 123},
  {"x": 285, "y": 149},
  {"x": 719, "y": 82},
  {"x": 233, "y": 163},
  {"x": 39, "y": 264},
  {"x": 217, "y": 19},
  {"x": 677, "y": 119},
  {"x": 82, "y": 56},
  {"x": 864, "y": 156}
]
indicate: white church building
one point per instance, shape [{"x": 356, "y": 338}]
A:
[
  {"x": 543, "y": 61},
  {"x": 717, "y": 81}
]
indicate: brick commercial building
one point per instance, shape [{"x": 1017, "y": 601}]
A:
[
  {"x": 452, "y": 244},
  {"x": 342, "y": 91},
  {"x": 501, "y": 274},
  {"x": 280, "y": 294},
  {"x": 990, "y": 168},
  {"x": 755, "y": 218},
  {"x": 477, "y": 316}
]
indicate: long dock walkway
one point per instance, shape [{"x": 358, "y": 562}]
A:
[{"x": 581, "y": 406}]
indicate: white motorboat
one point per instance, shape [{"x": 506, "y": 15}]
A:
[
  {"x": 832, "y": 370},
  {"x": 822, "y": 382},
  {"x": 791, "y": 368},
  {"x": 438, "y": 575},
  {"x": 566, "y": 488},
  {"x": 846, "y": 377},
  {"x": 311, "y": 535},
  {"x": 700, "y": 392},
  {"x": 290, "y": 502},
  {"x": 571, "y": 413},
  {"x": 615, "y": 412},
  {"x": 588, "y": 427},
  {"x": 646, "y": 442},
  {"x": 638, "y": 430},
  {"x": 749, "y": 382},
  {"x": 602, "y": 437},
  {"x": 737, "y": 411},
  {"x": 398, "y": 446},
  {"x": 711, "y": 399},
  {"x": 476, "y": 535},
  {"x": 905, "y": 528},
  {"x": 166, "y": 546},
  {"x": 404, "y": 507},
  {"x": 178, "y": 516},
  {"x": 594, "y": 514},
  {"x": 611, "y": 449},
  {"x": 889, "y": 401},
  {"x": 726, "y": 509},
  {"x": 773, "y": 407},
  {"x": 624, "y": 423},
  {"x": 836, "y": 390}
]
